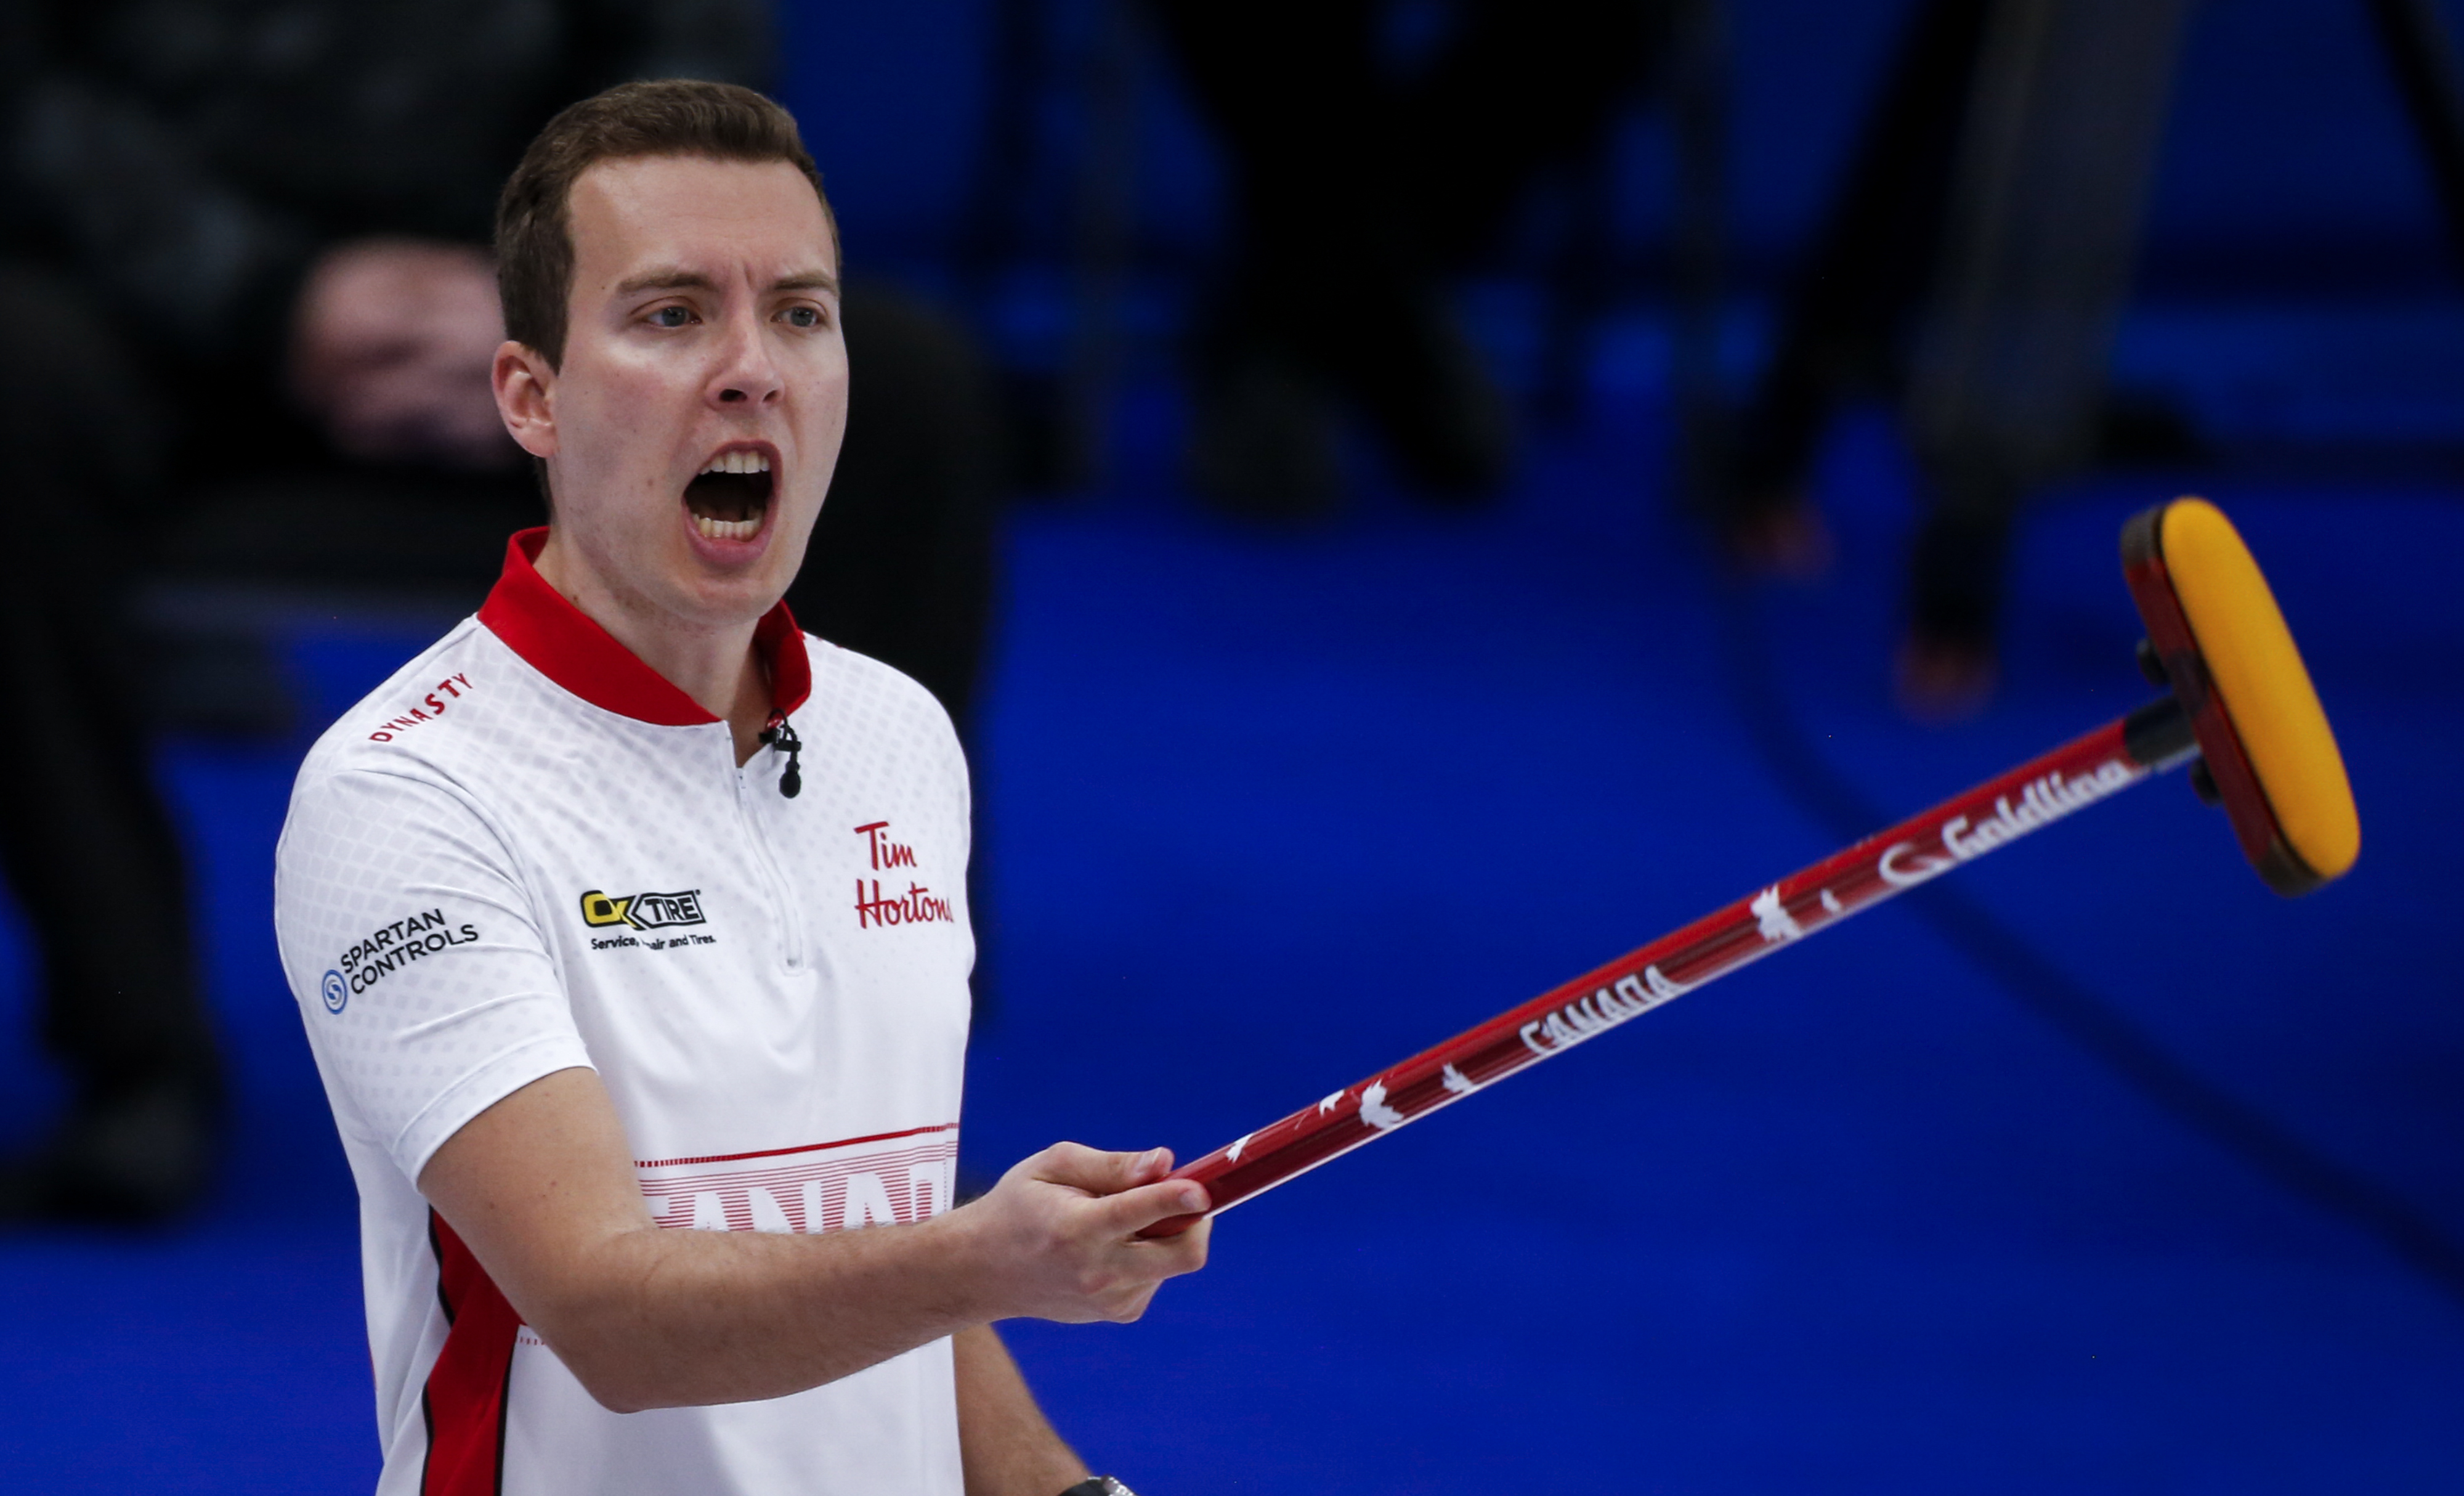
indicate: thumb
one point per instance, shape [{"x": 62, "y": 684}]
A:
[
  {"x": 1103, "y": 1173},
  {"x": 1132, "y": 1211}
]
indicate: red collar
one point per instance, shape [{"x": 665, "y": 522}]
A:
[{"x": 561, "y": 643}]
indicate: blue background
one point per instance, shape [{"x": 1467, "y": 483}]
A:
[{"x": 1268, "y": 812}]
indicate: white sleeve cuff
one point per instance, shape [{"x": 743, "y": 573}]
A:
[{"x": 491, "y": 1080}]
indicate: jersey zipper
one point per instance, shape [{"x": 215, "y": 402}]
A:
[{"x": 783, "y": 899}]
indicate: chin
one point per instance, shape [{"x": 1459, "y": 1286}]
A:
[{"x": 732, "y": 592}]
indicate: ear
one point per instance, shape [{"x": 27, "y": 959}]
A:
[{"x": 525, "y": 389}]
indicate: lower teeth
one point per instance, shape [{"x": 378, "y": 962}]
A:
[{"x": 727, "y": 529}]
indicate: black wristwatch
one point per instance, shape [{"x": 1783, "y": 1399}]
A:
[{"x": 1099, "y": 1485}]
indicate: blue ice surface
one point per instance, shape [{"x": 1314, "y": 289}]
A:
[{"x": 1268, "y": 811}]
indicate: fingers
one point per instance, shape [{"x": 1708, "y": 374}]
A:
[
  {"x": 1185, "y": 1253},
  {"x": 1144, "y": 1265},
  {"x": 1070, "y": 1220},
  {"x": 1136, "y": 1188}
]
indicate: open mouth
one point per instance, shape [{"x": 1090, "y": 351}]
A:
[{"x": 728, "y": 497}]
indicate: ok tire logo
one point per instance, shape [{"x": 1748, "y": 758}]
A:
[{"x": 642, "y": 911}]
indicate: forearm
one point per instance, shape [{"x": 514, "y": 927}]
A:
[
  {"x": 682, "y": 1318},
  {"x": 541, "y": 1189},
  {"x": 1005, "y": 1444}
]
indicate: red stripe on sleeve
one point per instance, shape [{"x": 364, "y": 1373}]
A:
[{"x": 465, "y": 1397}]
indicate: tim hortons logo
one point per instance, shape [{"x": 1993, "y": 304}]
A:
[{"x": 917, "y": 905}]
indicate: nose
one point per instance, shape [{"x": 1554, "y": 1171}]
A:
[{"x": 745, "y": 375}]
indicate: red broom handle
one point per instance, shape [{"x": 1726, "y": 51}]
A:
[{"x": 1961, "y": 828}]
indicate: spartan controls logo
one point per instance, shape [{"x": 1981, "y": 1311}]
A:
[
  {"x": 387, "y": 949},
  {"x": 642, "y": 911}
]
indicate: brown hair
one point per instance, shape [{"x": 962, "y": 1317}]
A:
[{"x": 670, "y": 116}]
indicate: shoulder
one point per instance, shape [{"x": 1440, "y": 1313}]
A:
[
  {"x": 468, "y": 712},
  {"x": 884, "y": 737},
  {"x": 423, "y": 708},
  {"x": 423, "y": 748},
  {"x": 859, "y": 692}
]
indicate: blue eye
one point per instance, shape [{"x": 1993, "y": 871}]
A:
[
  {"x": 803, "y": 317},
  {"x": 672, "y": 317}
]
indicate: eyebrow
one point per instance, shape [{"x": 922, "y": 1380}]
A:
[
  {"x": 670, "y": 277},
  {"x": 666, "y": 278}
]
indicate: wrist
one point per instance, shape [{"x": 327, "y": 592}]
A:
[{"x": 971, "y": 1264}]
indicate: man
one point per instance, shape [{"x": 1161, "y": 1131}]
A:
[{"x": 567, "y": 907}]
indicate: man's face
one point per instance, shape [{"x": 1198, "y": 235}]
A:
[{"x": 703, "y": 392}]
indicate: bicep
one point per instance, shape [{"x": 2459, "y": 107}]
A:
[{"x": 538, "y": 1185}]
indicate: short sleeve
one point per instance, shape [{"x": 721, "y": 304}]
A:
[{"x": 416, "y": 957}]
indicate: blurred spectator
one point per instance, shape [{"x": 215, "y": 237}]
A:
[
  {"x": 1976, "y": 259},
  {"x": 1366, "y": 164},
  {"x": 241, "y": 252}
]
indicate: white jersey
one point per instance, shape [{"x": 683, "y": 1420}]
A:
[{"x": 528, "y": 851}]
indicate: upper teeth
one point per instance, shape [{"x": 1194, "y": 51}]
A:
[{"x": 739, "y": 462}]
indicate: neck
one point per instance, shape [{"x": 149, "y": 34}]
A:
[{"x": 715, "y": 664}]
